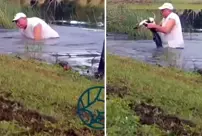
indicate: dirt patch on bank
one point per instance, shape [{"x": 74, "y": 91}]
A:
[
  {"x": 117, "y": 90},
  {"x": 12, "y": 110},
  {"x": 155, "y": 115},
  {"x": 130, "y": 1}
]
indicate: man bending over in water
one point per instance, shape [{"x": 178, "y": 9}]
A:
[
  {"x": 34, "y": 28},
  {"x": 170, "y": 29}
]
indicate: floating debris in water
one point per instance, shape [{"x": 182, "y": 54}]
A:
[
  {"x": 60, "y": 54},
  {"x": 79, "y": 23}
]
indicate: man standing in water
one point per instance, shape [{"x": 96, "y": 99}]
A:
[
  {"x": 34, "y": 27},
  {"x": 170, "y": 31},
  {"x": 170, "y": 28}
]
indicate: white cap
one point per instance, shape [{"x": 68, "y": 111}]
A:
[
  {"x": 166, "y": 6},
  {"x": 18, "y": 16}
]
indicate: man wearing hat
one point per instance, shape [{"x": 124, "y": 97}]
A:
[
  {"x": 170, "y": 31},
  {"x": 34, "y": 27},
  {"x": 170, "y": 28}
]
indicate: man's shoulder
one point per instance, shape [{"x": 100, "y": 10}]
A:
[
  {"x": 34, "y": 19},
  {"x": 173, "y": 15}
]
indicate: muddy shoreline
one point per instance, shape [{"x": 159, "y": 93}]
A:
[
  {"x": 12, "y": 110},
  {"x": 153, "y": 115}
]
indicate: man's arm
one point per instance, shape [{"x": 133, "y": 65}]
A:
[
  {"x": 167, "y": 28},
  {"x": 164, "y": 29},
  {"x": 37, "y": 32}
]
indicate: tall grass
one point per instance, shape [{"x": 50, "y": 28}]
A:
[
  {"x": 8, "y": 11},
  {"x": 89, "y": 10},
  {"x": 123, "y": 20},
  {"x": 178, "y": 1},
  {"x": 9, "y": 8},
  {"x": 78, "y": 2},
  {"x": 87, "y": 3},
  {"x": 160, "y": 1}
]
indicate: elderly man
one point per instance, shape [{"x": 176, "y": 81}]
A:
[
  {"x": 170, "y": 31},
  {"x": 34, "y": 28},
  {"x": 170, "y": 28}
]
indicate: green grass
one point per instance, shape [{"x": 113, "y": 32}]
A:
[
  {"x": 123, "y": 20},
  {"x": 155, "y": 6},
  {"x": 177, "y": 1},
  {"x": 91, "y": 12},
  {"x": 47, "y": 89},
  {"x": 157, "y": 2},
  {"x": 8, "y": 11},
  {"x": 176, "y": 92}
]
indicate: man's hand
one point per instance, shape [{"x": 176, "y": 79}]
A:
[{"x": 37, "y": 32}]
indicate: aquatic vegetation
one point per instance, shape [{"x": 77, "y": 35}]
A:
[
  {"x": 90, "y": 3},
  {"x": 9, "y": 9},
  {"x": 78, "y": 10},
  {"x": 41, "y": 99},
  {"x": 123, "y": 20},
  {"x": 143, "y": 99},
  {"x": 79, "y": 2},
  {"x": 156, "y": 1}
]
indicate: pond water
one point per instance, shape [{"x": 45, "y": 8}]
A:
[
  {"x": 80, "y": 47},
  {"x": 146, "y": 51}
]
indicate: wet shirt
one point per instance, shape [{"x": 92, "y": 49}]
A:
[
  {"x": 174, "y": 39},
  {"x": 47, "y": 31}
]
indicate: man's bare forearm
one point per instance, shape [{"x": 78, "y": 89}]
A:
[
  {"x": 161, "y": 29},
  {"x": 37, "y": 32}
]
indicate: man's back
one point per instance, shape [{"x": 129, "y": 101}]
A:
[
  {"x": 175, "y": 37},
  {"x": 47, "y": 31}
]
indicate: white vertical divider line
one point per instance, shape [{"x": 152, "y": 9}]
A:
[{"x": 105, "y": 75}]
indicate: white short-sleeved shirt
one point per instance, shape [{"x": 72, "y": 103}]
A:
[
  {"x": 47, "y": 31},
  {"x": 174, "y": 39}
]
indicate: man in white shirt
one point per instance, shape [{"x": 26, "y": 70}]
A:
[
  {"x": 170, "y": 28},
  {"x": 34, "y": 27},
  {"x": 170, "y": 31}
]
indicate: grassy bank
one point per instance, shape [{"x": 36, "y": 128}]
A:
[
  {"x": 150, "y": 100},
  {"x": 48, "y": 92}
]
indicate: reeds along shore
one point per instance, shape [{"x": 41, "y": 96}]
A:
[
  {"x": 121, "y": 19},
  {"x": 78, "y": 2},
  {"x": 155, "y": 1},
  {"x": 9, "y": 8}
]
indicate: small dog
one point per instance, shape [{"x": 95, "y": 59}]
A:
[
  {"x": 146, "y": 21},
  {"x": 156, "y": 36}
]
